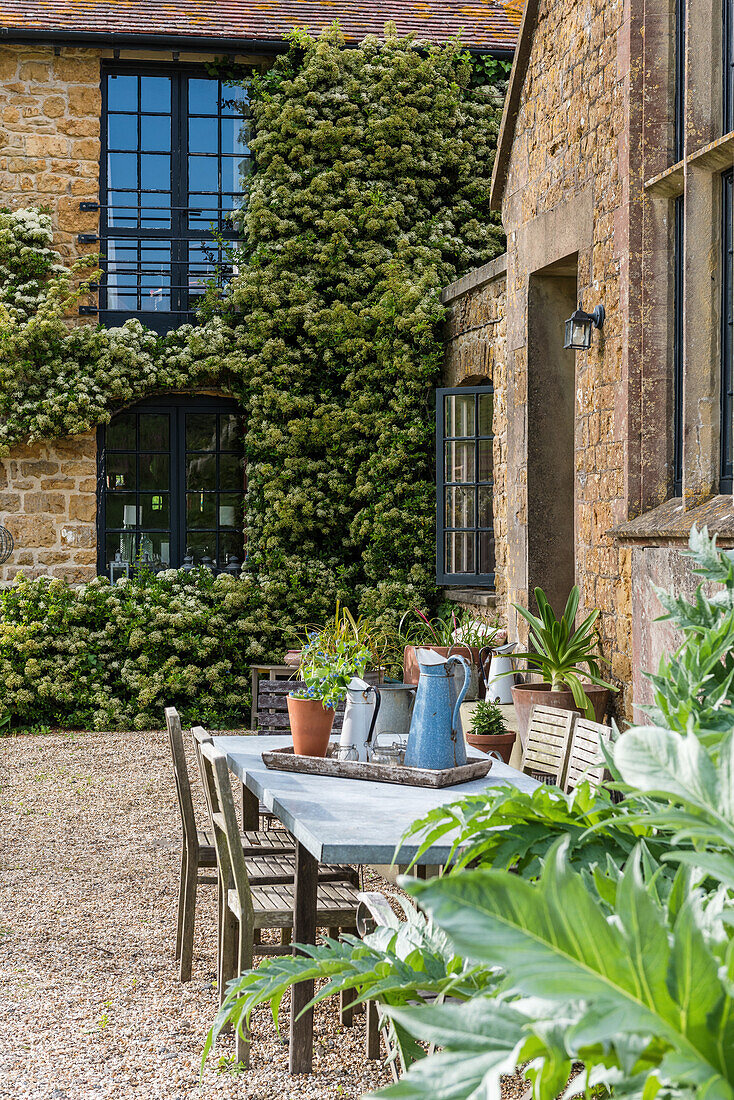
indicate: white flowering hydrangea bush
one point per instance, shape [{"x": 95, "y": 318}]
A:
[{"x": 370, "y": 193}]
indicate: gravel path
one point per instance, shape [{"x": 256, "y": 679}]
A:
[{"x": 90, "y": 1002}]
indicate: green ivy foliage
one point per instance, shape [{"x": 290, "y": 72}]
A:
[{"x": 370, "y": 194}]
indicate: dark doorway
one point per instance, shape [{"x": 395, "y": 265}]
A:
[{"x": 551, "y": 397}]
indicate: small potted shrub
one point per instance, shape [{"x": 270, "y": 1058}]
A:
[
  {"x": 489, "y": 730},
  {"x": 567, "y": 660},
  {"x": 326, "y": 668}
]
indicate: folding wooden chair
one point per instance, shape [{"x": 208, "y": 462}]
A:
[
  {"x": 246, "y": 907},
  {"x": 547, "y": 744},
  {"x": 585, "y": 760}
]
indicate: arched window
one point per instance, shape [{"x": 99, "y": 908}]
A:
[{"x": 171, "y": 476}]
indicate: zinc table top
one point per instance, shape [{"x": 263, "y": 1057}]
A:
[{"x": 350, "y": 820}]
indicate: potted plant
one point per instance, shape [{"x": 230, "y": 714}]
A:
[
  {"x": 562, "y": 655},
  {"x": 360, "y": 632},
  {"x": 489, "y": 730},
  {"x": 462, "y": 636},
  {"x": 326, "y": 668}
]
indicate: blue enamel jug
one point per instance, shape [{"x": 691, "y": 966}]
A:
[{"x": 436, "y": 740}]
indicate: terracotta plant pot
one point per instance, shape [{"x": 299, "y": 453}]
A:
[
  {"x": 411, "y": 672},
  {"x": 526, "y": 696},
  {"x": 311, "y": 724},
  {"x": 501, "y": 743}
]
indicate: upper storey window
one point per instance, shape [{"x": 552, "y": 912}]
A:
[{"x": 174, "y": 154}]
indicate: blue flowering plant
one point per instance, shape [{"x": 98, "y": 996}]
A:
[{"x": 327, "y": 666}]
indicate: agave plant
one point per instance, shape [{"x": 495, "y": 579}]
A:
[{"x": 561, "y": 653}]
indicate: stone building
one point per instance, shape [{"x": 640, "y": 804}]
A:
[
  {"x": 113, "y": 122},
  {"x": 614, "y": 178}
]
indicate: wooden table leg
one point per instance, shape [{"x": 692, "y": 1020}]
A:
[
  {"x": 250, "y": 810},
  {"x": 300, "y": 1057}
]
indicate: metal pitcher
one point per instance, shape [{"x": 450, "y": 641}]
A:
[
  {"x": 436, "y": 741},
  {"x": 394, "y": 711},
  {"x": 497, "y": 682},
  {"x": 363, "y": 704}
]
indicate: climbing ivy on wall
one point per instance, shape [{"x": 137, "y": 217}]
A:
[{"x": 370, "y": 194}]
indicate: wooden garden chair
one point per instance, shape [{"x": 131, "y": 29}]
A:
[
  {"x": 247, "y": 907},
  {"x": 586, "y": 760},
  {"x": 198, "y": 853},
  {"x": 548, "y": 743}
]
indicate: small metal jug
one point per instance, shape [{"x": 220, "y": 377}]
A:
[
  {"x": 363, "y": 703},
  {"x": 394, "y": 711},
  {"x": 436, "y": 741},
  {"x": 497, "y": 682}
]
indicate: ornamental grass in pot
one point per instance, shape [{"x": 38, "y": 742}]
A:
[
  {"x": 489, "y": 731},
  {"x": 327, "y": 666},
  {"x": 567, "y": 660}
]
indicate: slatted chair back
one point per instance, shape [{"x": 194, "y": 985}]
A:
[
  {"x": 585, "y": 760},
  {"x": 547, "y": 744},
  {"x": 272, "y": 706},
  {"x": 232, "y": 865},
  {"x": 200, "y": 737},
  {"x": 183, "y": 785}
]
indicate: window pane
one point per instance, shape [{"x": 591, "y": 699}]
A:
[
  {"x": 230, "y": 509},
  {"x": 122, "y": 132},
  {"x": 155, "y": 133},
  {"x": 485, "y": 459},
  {"x": 155, "y": 93},
  {"x": 203, "y": 174},
  {"x": 459, "y": 462},
  {"x": 231, "y": 432},
  {"x": 460, "y": 507},
  {"x": 201, "y": 471},
  {"x": 120, "y": 471},
  {"x": 122, "y": 170},
  {"x": 459, "y": 552},
  {"x": 486, "y": 518},
  {"x": 122, "y": 209},
  {"x": 231, "y": 472},
  {"x": 155, "y": 172},
  {"x": 203, "y": 136},
  {"x": 231, "y": 545},
  {"x": 155, "y": 510},
  {"x": 122, "y": 93},
  {"x": 155, "y": 210},
  {"x": 121, "y": 510},
  {"x": 156, "y": 546},
  {"x": 234, "y": 169},
  {"x": 203, "y": 97},
  {"x": 459, "y": 414},
  {"x": 121, "y": 433},
  {"x": 485, "y": 413},
  {"x": 154, "y": 431},
  {"x": 486, "y": 552},
  {"x": 202, "y": 545},
  {"x": 201, "y": 431},
  {"x": 154, "y": 472},
  {"x": 125, "y": 543},
  {"x": 233, "y": 135},
  {"x": 201, "y": 510},
  {"x": 234, "y": 99}
]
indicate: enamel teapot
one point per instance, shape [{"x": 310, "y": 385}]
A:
[{"x": 436, "y": 740}]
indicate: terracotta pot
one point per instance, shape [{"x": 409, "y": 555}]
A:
[
  {"x": 501, "y": 743},
  {"x": 411, "y": 672},
  {"x": 311, "y": 724},
  {"x": 292, "y": 658},
  {"x": 526, "y": 696}
]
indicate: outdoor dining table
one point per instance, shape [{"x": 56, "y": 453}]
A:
[{"x": 338, "y": 821}]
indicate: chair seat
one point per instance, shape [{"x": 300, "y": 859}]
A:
[
  {"x": 336, "y": 905},
  {"x": 254, "y": 842},
  {"x": 266, "y": 865}
]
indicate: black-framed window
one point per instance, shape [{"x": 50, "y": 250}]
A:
[
  {"x": 728, "y": 66},
  {"x": 727, "y": 331},
  {"x": 174, "y": 151},
  {"x": 680, "y": 80},
  {"x": 171, "y": 477},
  {"x": 678, "y": 260},
  {"x": 465, "y": 525}
]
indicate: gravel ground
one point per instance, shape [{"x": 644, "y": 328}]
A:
[{"x": 90, "y": 1002}]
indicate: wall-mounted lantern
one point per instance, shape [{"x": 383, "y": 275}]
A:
[
  {"x": 579, "y": 328},
  {"x": 6, "y": 545}
]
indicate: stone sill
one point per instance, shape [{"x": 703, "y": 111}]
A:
[
  {"x": 480, "y": 597},
  {"x": 668, "y": 184},
  {"x": 671, "y": 523},
  {"x": 717, "y": 156}
]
